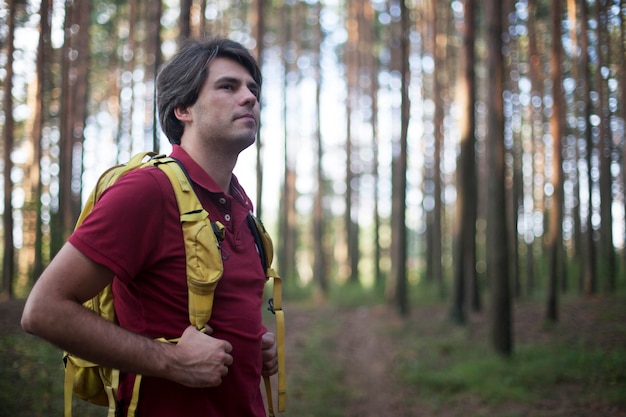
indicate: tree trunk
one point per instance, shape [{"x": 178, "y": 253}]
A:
[
  {"x": 513, "y": 148},
  {"x": 8, "y": 264},
  {"x": 623, "y": 115},
  {"x": 259, "y": 25},
  {"x": 153, "y": 63},
  {"x": 288, "y": 222},
  {"x": 497, "y": 246},
  {"x": 320, "y": 254},
  {"x": 429, "y": 35},
  {"x": 373, "y": 65},
  {"x": 184, "y": 21},
  {"x": 43, "y": 73},
  {"x": 465, "y": 225},
  {"x": 438, "y": 97},
  {"x": 352, "y": 93},
  {"x": 536, "y": 142},
  {"x": 399, "y": 181},
  {"x": 589, "y": 267},
  {"x": 577, "y": 214},
  {"x": 555, "y": 231},
  {"x": 607, "y": 252},
  {"x": 73, "y": 110}
]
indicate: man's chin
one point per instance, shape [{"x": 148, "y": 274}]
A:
[{"x": 245, "y": 141}]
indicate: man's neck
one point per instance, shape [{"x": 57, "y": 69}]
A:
[{"x": 218, "y": 166}]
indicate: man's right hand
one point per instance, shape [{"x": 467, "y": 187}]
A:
[{"x": 201, "y": 359}]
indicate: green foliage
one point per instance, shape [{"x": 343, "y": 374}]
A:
[
  {"x": 348, "y": 295},
  {"x": 31, "y": 379},
  {"x": 316, "y": 387},
  {"x": 295, "y": 292},
  {"x": 425, "y": 293},
  {"x": 25, "y": 364},
  {"x": 454, "y": 369},
  {"x": 351, "y": 295}
]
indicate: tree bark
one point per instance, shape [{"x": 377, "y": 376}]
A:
[
  {"x": 288, "y": 220},
  {"x": 259, "y": 25},
  {"x": 399, "y": 181},
  {"x": 43, "y": 63},
  {"x": 73, "y": 111},
  {"x": 464, "y": 285},
  {"x": 497, "y": 245},
  {"x": 184, "y": 21},
  {"x": 320, "y": 254},
  {"x": 607, "y": 252},
  {"x": 8, "y": 262},
  {"x": 589, "y": 268},
  {"x": 555, "y": 231},
  {"x": 438, "y": 97}
]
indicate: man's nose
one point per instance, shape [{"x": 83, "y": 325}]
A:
[{"x": 249, "y": 97}]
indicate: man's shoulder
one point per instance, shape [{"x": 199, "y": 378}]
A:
[
  {"x": 146, "y": 176},
  {"x": 148, "y": 184}
]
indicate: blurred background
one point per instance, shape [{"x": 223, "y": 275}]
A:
[{"x": 454, "y": 164}]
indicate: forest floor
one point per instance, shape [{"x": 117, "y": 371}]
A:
[
  {"x": 368, "y": 346},
  {"x": 347, "y": 361}
]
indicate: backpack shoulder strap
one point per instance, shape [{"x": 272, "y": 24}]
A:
[
  {"x": 202, "y": 243},
  {"x": 203, "y": 272},
  {"x": 266, "y": 251}
]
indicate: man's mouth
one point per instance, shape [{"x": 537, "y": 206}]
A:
[{"x": 247, "y": 117}]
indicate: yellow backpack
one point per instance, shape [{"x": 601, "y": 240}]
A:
[{"x": 98, "y": 384}]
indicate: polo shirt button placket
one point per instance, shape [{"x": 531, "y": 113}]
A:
[{"x": 222, "y": 201}]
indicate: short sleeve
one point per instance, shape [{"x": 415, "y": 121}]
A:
[{"x": 122, "y": 231}]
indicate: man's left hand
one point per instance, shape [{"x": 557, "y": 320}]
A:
[{"x": 269, "y": 353}]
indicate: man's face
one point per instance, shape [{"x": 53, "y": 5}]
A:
[{"x": 226, "y": 114}]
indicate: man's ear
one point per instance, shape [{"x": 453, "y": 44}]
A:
[{"x": 183, "y": 114}]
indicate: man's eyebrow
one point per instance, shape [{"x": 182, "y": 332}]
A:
[
  {"x": 235, "y": 80},
  {"x": 228, "y": 79}
]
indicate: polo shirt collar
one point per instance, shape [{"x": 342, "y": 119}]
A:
[{"x": 204, "y": 180}]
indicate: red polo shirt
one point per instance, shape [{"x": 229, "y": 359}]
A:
[{"x": 134, "y": 230}]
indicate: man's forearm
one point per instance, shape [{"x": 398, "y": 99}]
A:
[
  {"x": 77, "y": 330},
  {"x": 54, "y": 312},
  {"x": 198, "y": 360}
]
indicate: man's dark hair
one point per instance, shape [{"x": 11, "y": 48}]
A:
[{"x": 181, "y": 79}]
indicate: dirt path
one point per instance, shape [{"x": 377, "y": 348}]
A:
[
  {"x": 362, "y": 348},
  {"x": 367, "y": 358}
]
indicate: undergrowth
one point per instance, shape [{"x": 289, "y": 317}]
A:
[
  {"x": 316, "y": 383},
  {"x": 452, "y": 369},
  {"x": 435, "y": 363}
]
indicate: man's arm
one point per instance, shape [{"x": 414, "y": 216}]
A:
[{"x": 55, "y": 313}]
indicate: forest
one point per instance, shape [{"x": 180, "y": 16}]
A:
[{"x": 466, "y": 152}]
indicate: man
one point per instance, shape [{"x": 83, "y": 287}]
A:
[{"x": 208, "y": 100}]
